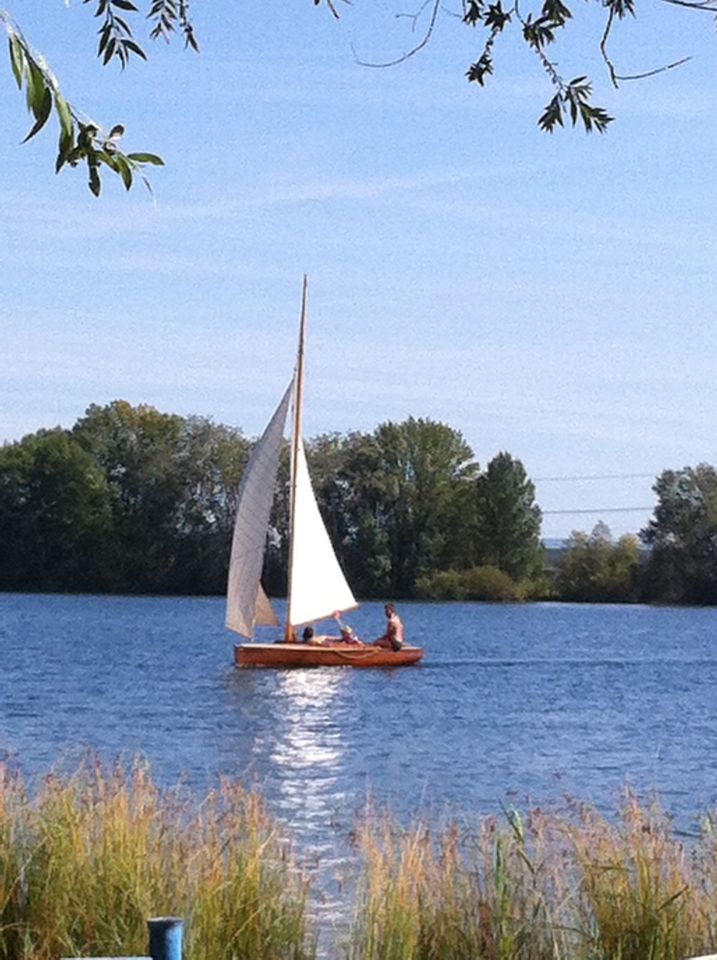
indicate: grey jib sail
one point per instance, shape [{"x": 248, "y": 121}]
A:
[{"x": 246, "y": 603}]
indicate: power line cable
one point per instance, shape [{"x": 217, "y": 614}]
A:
[
  {"x": 604, "y": 476},
  {"x": 600, "y": 510}
]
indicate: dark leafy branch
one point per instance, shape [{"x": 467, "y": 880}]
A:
[
  {"x": 80, "y": 141},
  {"x": 83, "y": 142},
  {"x": 115, "y": 33},
  {"x": 331, "y": 5},
  {"x": 168, "y": 15},
  {"x": 572, "y": 99}
]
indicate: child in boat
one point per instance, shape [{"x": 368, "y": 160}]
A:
[
  {"x": 349, "y": 637},
  {"x": 347, "y": 634}
]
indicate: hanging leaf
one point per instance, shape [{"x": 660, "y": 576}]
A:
[
  {"x": 95, "y": 183},
  {"x": 109, "y": 51},
  {"x": 125, "y": 171},
  {"x": 131, "y": 45},
  {"x": 552, "y": 115},
  {"x": 63, "y": 113},
  {"x": 146, "y": 158},
  {"x": 17, "y": 58},
  {"x": 34, "y": 87},
  {"x": 42, "y": 114}
]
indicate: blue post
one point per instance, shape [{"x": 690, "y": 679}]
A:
[{"x": 165, "y": 938}]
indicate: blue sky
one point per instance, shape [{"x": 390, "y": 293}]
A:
[{"x": 549, "y": 296}]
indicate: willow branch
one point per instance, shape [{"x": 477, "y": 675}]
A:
[
  {"x": 652, "y": 73},
  {"x": 413, "y": 16},
  {"x": 419, "y": 46},
  {"x": 603, "y": 48},
  {"x": 548, "y": 65},
  {"x": 708, "y": 5}
]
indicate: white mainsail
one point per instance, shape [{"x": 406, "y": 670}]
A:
[
  {"x": 247, "y": 604},
  {"x": 317, "y": 586}
]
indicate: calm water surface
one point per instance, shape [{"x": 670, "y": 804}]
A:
[{"x": 511, "y": 703}]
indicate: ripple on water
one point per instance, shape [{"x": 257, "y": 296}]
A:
[{"x": 530, "y": 701}]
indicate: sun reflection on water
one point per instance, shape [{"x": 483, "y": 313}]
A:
[
  {"x": 308, "y": 747},
  {"x": 307, "y": 755}
]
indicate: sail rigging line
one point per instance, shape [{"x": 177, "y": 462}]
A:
[
  {"x": 356, "y": 653},
  {"x": 295, "y": 441}
]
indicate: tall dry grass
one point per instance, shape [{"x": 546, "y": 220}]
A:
[
  {"x": 90, "y": 855},
  {"x": 570, "y": 886},
  {"x": 87, "y": 857}
]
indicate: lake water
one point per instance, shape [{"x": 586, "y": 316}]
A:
[{"x": 512, "y": 704}]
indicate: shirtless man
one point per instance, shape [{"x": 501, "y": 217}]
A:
[{"x": 393, "y": 637}]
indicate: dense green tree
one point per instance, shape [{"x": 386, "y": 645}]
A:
[
  {"x": 136, "y": 447},
  {"x": 485, "y": 583},
  {"x": 173, "y": 485},
  {"x": 594, "y": 569},
  {"x": 209, "y": 461},
  {"x": 386, "y": 499},
  {"x": 407, "y": 477},
  {"x": 682, "y": 566},
  {"x": 135, "y": 500},
  {"x": 55, "y": 515},
  {"x": 506, "y": 530}
]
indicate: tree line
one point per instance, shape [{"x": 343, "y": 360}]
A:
[
  {"x": 674, "y": 559},
  {"x": 132, "y": 500}
]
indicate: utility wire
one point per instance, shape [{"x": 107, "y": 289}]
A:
[
  {"x": 600, "y": 476},
  {"x": 604, "y": 476},
  {"x": 601, "y": 510}
]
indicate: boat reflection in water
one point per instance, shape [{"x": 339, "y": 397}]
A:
[
  {"x": 307, "y": 754},
  {"x": 308, "y": 757},
  {"x": 292, "y": 737}
]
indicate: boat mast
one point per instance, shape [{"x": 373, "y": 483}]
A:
[{"x": 295, "y": 439}]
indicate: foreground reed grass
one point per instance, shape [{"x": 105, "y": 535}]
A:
[
  {"x": 573, "y": 886},
  {"x": 86, "y": 859}
]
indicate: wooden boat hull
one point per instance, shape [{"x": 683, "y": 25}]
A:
[{"x": 336, "y": 655}]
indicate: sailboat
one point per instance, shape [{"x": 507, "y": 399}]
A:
[{"x": 317, "y": 585}]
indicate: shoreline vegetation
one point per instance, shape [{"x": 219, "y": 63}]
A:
[
  {"x": 134, "y": 501},
  {"x": 88, "y": 854}
]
